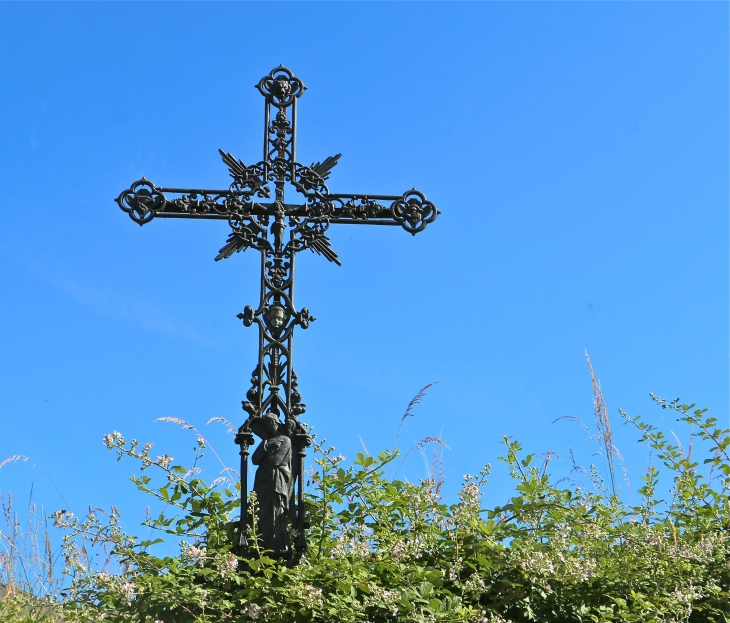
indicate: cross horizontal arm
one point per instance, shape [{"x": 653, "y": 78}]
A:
[{"x": 143, "y": 201}]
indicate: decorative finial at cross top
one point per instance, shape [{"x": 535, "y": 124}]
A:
[{"x": 278, "y": 230}]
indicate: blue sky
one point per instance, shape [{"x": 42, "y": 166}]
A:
[{"x": 578, "y": 153}]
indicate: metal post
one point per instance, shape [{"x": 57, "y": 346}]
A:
[
  {"x": 244, "y": 439},
  {"x": 301, "y": 542}
]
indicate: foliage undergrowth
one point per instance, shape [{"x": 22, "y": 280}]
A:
[
  {"x": 29, "y": 590},
  {"x": 383, "y": 549}
]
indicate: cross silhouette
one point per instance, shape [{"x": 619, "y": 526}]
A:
[{"x": 278, "y": 230}]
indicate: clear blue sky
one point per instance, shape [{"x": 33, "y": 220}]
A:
[{"x": 578, "y": 153}]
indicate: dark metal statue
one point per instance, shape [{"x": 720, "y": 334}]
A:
[
  {"x": 278, "y": 230},
  {"x": 273, "y": 483}
]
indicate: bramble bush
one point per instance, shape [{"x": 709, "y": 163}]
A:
[{"x": 383, "y": 549}]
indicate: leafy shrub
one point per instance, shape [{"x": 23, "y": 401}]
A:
[{"x": 383, "y": 549}]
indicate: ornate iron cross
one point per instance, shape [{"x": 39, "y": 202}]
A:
[{"x": 278, "y": 230}]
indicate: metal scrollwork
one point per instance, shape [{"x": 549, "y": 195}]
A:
[
  {"x": 142, "y": 201},
  {"x": 247, "y": 181},
  {"x": 310, "y": 234},
  {"x": 248, "y": 316},
  {"x": 278, "y": 231},
  {"x": 413, "y": 211},
  {"x": 280, "y": 152},
  {"x": 304, "y": 318},
  {"x": 203, "y": 203},
  {"x": 281, "y": 87},
  {"x": 310, "y": 181},
  {"x": 361, "y": 208},
  {"x": 246, "y": 233}
]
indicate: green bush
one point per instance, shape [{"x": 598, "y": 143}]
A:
[{"x": 383, "y": 549}]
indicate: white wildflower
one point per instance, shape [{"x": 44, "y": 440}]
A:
[
  {"x": 127, "y": 589},
  {"x": 193, "y": 552},
  {"x": 62, "y": 518},
  {"x": 399, "y": 551},
  {"x": 228, "y": 565},
  {"x": 164, "y": 460},
  {"x": 471, "y": 492},
  {"x": 111, "y": 439},
  {"x": 252, "y": 611}
]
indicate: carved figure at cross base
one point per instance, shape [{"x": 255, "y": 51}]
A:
[
  {"x": 278, "y": 231},
  {"x": 273, "y": 483}
]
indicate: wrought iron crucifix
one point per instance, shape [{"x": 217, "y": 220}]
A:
[{"x": 278, "y": 230}]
